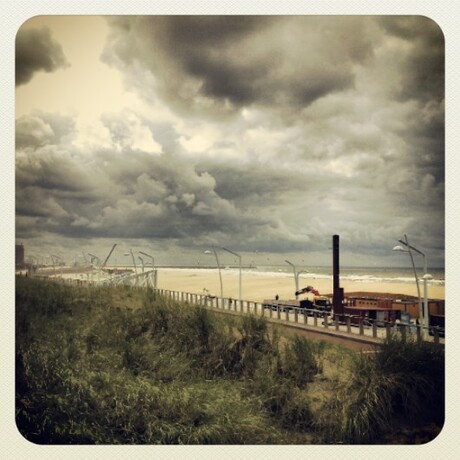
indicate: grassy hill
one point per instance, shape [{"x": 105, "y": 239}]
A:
[{"x": 125, "y": 366}]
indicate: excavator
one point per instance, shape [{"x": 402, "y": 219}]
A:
[{"x": 313, "y": 300}]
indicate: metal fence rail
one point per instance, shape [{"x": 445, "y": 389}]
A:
[
  {"x": 317, "y": 320},
  {"x": 351, "y": 326}
]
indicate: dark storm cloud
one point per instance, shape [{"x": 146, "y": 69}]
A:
[
  {"x": 120, "y": 194},
  {"x": 422, "y": 67},
  {"x": 334, "y": 129},
  {"x": 36, "y": 51},
  {"x": 224, "y": 62}
]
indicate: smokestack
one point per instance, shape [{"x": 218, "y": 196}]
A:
[{"x": 337, "y": 296}]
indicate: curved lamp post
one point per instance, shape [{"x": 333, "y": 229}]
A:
[
  {"x": 239, "y": 258},
  {"x": 142, "y": 262},
  {"x": 148, "y": 255},
  {"x": 153, "y": 267},
  {"x": 296, "y": 277},
  {"x": 218, "y": 268},
  {"x": 425, "y": 317}
]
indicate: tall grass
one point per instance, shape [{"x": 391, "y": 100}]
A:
[
  {"x": 125, "y": 366},
  {"x": 401, "y": 385}
]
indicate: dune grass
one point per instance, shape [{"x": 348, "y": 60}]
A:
[{"x": 125, "y": 366}]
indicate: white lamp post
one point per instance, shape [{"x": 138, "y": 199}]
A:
[
  {"x": 142, "y": 262},
  {"x": 296, "y": 278},
  {"x": 218, "y": 268},
  {"x": 153, "y": 268},
  {"x": 425, "y": 278},
  {"x": 425, "y": 317},
  {"x": 148, "y": 255},
  {"x": 239, "y": 258}
]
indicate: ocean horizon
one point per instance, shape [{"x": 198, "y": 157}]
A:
[{"x": 361, "y": 274}]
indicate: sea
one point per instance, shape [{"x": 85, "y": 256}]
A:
[{"x": 360, "y": 274}]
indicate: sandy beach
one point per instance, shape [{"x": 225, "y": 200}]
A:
[{"x": 260, "y": 286}]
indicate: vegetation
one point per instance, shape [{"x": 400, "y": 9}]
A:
[{"x": 125, "y": 366}]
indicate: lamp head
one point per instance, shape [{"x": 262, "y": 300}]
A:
[{"x": 400, "y": 249}]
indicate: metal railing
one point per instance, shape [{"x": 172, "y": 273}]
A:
[
  {"x": 318, "y": 320},
  {"x": 351, "y": 326}
]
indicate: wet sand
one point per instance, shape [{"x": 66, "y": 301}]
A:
[{"x": 260, "y": 286}]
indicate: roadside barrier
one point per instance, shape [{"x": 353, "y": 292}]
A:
[{"x": 351, "y": 326}]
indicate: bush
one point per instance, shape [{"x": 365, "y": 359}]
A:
[
  {"x": 401, "y": 384},
  {"x": 300, "y": 362}
]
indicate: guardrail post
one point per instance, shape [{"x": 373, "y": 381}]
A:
[
  {"x": 326, "y": 325},
  {"x": 296, "y": 315},
  {"x": 419, "y": 334},
  {"x": 241, "y": 305},
  {"x": 361, "y": 325},
  {"x": 374, "y": 329},
  {"x": 336, "y": 321},
  {"x": 388, "y": 329},
  {"x": 278, "y": 312},
  {"x": 305, "y": 319},
  {"x": 315, "y": 319},
  {"x": 348, "y": 324},
  {"x": 286, "y": 310},
  {"x": 404, "y": 331}
]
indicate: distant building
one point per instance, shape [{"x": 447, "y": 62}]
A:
[
  {"x": 388, "y": 309},
  {"x": 20, "y": 262}
]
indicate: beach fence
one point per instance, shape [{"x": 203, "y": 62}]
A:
[{"x": 138, "y": 280}]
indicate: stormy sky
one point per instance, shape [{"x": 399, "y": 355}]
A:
[{"x": 262, "y": 134}]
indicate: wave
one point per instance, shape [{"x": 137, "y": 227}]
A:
[{"x": 355, "y": 277}]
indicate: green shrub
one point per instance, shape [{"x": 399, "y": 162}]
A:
[
  {"x": 401, "y": 384},
  {"x": 300, "y": 363}
]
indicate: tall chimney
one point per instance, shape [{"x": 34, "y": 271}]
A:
[{"x": 337, "y": 296}]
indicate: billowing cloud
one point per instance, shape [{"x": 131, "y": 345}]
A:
[
  {"x": 219, "y": 64},
  {"x": 258, "y": 133},
  {"x": 36, "y": 51}
]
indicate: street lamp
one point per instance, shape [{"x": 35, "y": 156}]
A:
[
  {"x": 239, "y": 258},
  {"x": 142, "y": 262},
  {"x": 130, "y": 253},
  {"x": 426, "y": 277},
  {"x": 153, "y": 267},
  {"x": 296, "y": 278},
  {"x": 425, "y": 317},
  {"x": 218, "y": 268},
  {"x": 148, "y": 255}
]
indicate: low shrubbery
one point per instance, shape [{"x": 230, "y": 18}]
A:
[
  {"x": 399, "y": 386},
  {"x": 123, "y": 366}
]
